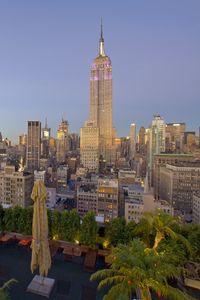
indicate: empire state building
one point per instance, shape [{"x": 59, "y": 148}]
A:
[{"x": 100, "y": 108}]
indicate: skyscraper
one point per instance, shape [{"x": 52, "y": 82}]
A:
[
  {"x": 156, "y": 141},
  {"x": 132, "y": 136},
  {"x": 45, "y": 137},
  {"x": 62, "y": 141},
  {"x": 101, "y": 99},
  {"x": 33, "y": 145},
  {"x": 101, "y": 102},
  {"x": 89, "y": 136}
]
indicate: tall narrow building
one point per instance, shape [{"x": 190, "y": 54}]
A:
[
  {"x": 33, "y": 145},
  {"x": 156, "y": 142},
  {"x": 132, "y": 136},
  {"x": 62, "y": 145},
  {"x": 101, "y": 100}
]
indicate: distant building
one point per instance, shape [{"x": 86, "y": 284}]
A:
[
  {"x": 161, "y": 160},
  {"x": 45, "y": 138},
  {"x": 175, "y": 137},
  {"x": 33, "y": 145},
  {"x": 132, "y": 137},
  {"x": 62, "y": 145},
  {"x": 40, "y": 175},
  {"x": 15, "y": 187},
  {"x": 100, "y": 108},
  {"x": 126, "y": 176},
  {"x": 108, "y": 197},
  {"x": 51, "y": 199},
  {"x": 156, "y": 142},
  {"x": 141, "y": 141},
  {"x": 138, "y": 201},
  {"x": 189, "y": 140},
  {"x": 100, "y": 196},
  {"x": 23, "y": 139},
  {"x": 74, "y": 141},
  {"x": 178, "y": 183},
  {"x": 89, "y": 146},
  {"x": 87, "y": 198},
  {"x": 62, "y": 173}
]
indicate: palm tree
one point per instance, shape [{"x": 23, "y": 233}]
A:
[
  {"x": 153, "y": 228},
  {"x": 4, "y": 289},
  {"x": 136, "y": 268}
]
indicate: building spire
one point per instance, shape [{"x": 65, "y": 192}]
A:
[
  {"x": 46, "y": 123},
  {"x": 101, "y": 42}
]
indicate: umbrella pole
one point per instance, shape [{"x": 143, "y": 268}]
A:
[{"x": 41, "y": 279}]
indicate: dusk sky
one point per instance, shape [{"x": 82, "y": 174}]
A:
[{"x": 47, "y": 47}]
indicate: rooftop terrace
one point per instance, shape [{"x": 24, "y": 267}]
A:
[{"x": 71, "y": 279}]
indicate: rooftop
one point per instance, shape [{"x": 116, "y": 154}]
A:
[{"x": 70, "y": 277}]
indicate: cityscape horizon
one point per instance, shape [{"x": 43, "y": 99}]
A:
[{"x": 148, "y": 80}]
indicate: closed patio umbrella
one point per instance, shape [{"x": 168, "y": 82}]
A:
[{"x": 40, "y": 246}]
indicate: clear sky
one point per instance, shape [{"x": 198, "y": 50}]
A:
[{"x": 47, "y": 47}]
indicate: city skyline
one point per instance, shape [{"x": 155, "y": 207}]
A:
[{"x": 47, "y": 51}]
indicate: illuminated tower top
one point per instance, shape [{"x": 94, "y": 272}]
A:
[{"x": 101, "y": 42}]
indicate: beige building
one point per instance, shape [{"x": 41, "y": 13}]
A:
[
  {"x": 196, "y": 208},
  {"x": 175, "y": 137},
  {"x": 15, "y": 187},
  {"x": 138, "y": 202},
  {"x": 108, "y": 198},
  {"x": 23, "y": 139},
  {"x": 101, "y": 104},
  {"x": 89, "y": 146},
  {"x": 100, "y": 196},
  {"x": 33, "y": 145},
  {"x": 156, "y": 143},
  {"x": 178, "y": 183},
  {"x": 62, "y": 141},
  {"x": 126, "y": 176},
  {"x": 87, "y": 198},
  {"x": 160, "y": 160},
  {"x": 189, "y": 140}
]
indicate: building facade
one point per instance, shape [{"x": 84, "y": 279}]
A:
[
  {"x": 62, "y": 141},
  {"x": 160, "y": 160},
  {"x": 101, "y": 104},
  {"x": 175, "y": 137},
  {"x": 89, "y": 147},
  {"x": 33, "y": 145},
  {"x": 178, "y": 183},
  {"x": 132, "y": 137},
  {"x": 15, "y": 187},
  {"x": 156, "y": 143}
]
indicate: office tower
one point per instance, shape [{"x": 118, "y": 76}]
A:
[
  {"x": 89, "y": 146},
  {"x": 174, "y": 137},
  {"x": 62, "y": 141},
  {"x": 178, "y": 183},
  {"x": 33, "y": 145},
  {"x": 132, "y": 139},
  {"x": 101, "y": 197},
  {"x": 189, "y": 140},
  {"x": 15, "y": 187},
  {"x": 74, "y": 142},
  {"x": 62, "y": 173},
  {"x": 45, "y": 137},
  {"x": 101, "y": 102},
  {"x": 161, "y": 160},
  {"x": 141, "y": 140},
  {"x": 156, "y": 142},
  {"x": 23, "y": 139},
  {"x": 1, "y": 137}
]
